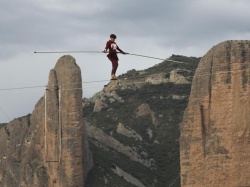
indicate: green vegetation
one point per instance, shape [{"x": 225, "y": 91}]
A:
[
  {"x": 167, "y": 66},
  {"x": 162, "y": 147},
  {"x": 105, "y": 164},
  {"x": 3, "y": 125}
]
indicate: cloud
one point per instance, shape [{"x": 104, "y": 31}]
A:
[
  {"x": 155, "y": 28},
  {"x": 54, "y": 24}
]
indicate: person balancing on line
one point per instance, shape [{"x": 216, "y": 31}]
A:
[{"x": 111, "y": 48}]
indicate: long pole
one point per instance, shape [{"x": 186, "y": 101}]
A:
[
  {"x": 167, "y": 59},
  {"x": 146, "y": 56},
  {"x": 95, "y": 52},
  {"x": 68, "y": 52}
]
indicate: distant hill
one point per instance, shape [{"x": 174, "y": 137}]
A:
[{"x": 133, "y": 126}]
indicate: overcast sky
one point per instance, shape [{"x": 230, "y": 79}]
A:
[{"x": 156, "y": 28}]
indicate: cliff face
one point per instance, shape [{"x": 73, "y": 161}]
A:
[
  {"x": 49, "y": 147},
  {"x": 215, "y": 131}
]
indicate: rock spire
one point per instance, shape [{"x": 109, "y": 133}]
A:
[
  {"x": 49, "y": 147},
  {"x": 215, "y": 131}
]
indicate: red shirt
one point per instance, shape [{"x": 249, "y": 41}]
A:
[{"x": 112, "y": 47}]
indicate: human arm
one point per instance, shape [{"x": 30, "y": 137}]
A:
[{"x": 121, "y": 51}]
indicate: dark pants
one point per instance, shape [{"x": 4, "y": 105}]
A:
[{"x": 114, "y": 65}]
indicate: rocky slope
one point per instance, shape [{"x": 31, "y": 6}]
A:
[
  {"x": 134, "y": 126},
  {"x": 49, "y": 147},
  {"x": 215, "y": 132}
]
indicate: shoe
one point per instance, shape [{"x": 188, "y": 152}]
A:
[{"x": 113, "y": 77}]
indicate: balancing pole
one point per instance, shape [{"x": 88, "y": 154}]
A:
[
  {"x": 107, "y": 52},
  {"x": 68, "y": 52}
]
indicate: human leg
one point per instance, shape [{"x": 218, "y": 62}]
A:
[{"x": 114, "y": 65}]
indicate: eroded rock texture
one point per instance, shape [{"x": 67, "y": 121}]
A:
[
  {"x": 215, "y": 132},
  {"x": 49, "y": 147}
]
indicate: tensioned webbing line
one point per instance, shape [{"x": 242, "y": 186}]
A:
[
  {"x": 21, "y": 88},
  {"x": 90, "y": 82},
  {"x": 4, "y": 113}
]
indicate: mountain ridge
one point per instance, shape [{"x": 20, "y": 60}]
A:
[{"x": 142, "y": 113}]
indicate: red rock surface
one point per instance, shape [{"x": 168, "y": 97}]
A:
[
  {"x": 49, "y": 147},
  {"x": 215, "y": 132}
]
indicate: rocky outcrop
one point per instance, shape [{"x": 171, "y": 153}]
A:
[
  {"x": 49, "y": 147},
  {"x": 215, "y": 131},
  {"x": 144, "y": 110},
  {"x": 103, "y": 95},
  {"x": 157, "y": 78},
  {"x": 99, "y": 105},
  {"x": 126, "y": 131},
  {"x": 177, "y": 76},
  {"x": 108, "y": 141},
  {"x": 127, "y": 177}
]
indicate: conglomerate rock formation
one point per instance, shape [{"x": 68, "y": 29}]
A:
[
  {"x": 215, "y": 132},
  {"x": 49, "y": 147}
]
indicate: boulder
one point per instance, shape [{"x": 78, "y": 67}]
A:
[{"x": 99, "y": 105}]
